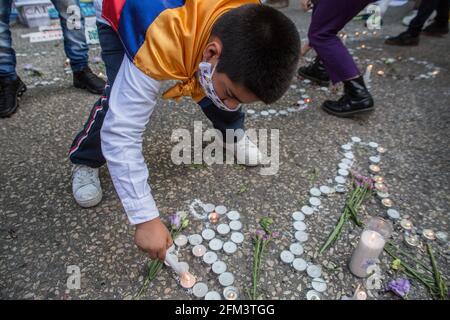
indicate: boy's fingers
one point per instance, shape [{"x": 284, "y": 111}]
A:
[
  {"x": 169, "y": 241},
  {"x": 162, "y": 254}
]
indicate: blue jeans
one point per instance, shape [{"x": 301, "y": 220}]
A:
[
  {"x": 86, "y": 147},
  {"x": 75, "y": 44}
]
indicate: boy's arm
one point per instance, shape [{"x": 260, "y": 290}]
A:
[{"x": 131, "y": 103}]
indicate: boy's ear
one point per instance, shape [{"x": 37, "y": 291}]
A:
[{"x": 213, "y": 50}]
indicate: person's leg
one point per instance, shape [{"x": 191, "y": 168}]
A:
[
  {"x": 86, "y": 147},
  {"x": 7, "y": 53},
  {"x": 426, "y": 8},
  {"x": 11, "y": 86},
  {"x": 75, "y": 44},
  {"x": 328, "y": 18},
  {"x": 442, "y": 13}
]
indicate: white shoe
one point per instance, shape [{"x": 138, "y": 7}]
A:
[
  {"x": 245, "y": 151},
  {"x": 86, "y": 186}
]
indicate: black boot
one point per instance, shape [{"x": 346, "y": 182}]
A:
[
  {"x": 403, "y": 39},
  {"x": 9, "y": 93},
  {"x": 315, "y": 72},
  {"x": 86, "y": 79},
  {"x": 435, "y": 30},
  {"x": 356, "y": 99}
]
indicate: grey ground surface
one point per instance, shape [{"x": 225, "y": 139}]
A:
[{"x": 43, "y": 231}]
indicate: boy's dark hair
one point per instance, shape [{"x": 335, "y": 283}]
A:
[{"x": 261, "y": 48}]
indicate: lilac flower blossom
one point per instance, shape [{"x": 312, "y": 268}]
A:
[
  {"x": 175, "y": 220},
  {"x": 400, "y": 287}
]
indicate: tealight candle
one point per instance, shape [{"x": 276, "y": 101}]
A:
[
  {"x": 319, "y": 285},
  {"x": 235, "y": 225},
  {"x": 307, "y": 210},
  {"x": 340, "y": 179},
  {"x": 412, "y": 240},
  {"x": 299, "y": 264},
  {"x": 299, "y": 226},
  {"x": 187, "y": 280},
  {"x": 200, "y": 290},
  {"x": 223, "y": 228},
  {"x": 393, "y": 214},
  {"x": 346, "y": 147},
  {"x": 360, "y": 294},
  {"x": 429, "y": 234},
  {"x": 301, "y": 236},
  {"x": 195, "y": 239},
  {"x": 296, "y": 249},
  {"x": 233, "y": 215},
  {"x": 374, "y": 159},
  {"x": 325, "y": 190},
  {"x": 298, "y": 216},
  {"x": 381, "y": 150},
  {"x": 373, "y": 144},
  {"x": 221, "y": 210},
  {"x": 374, "y": 168},
  {"x": 349, "y": 155},
  {"x": 226, "y": 279},
  {"x": 312, "y": 295},
  {"x": 215, "y": 244},
  {"x": 219, "y": 267},
  {"x": 340, "y": 188},
  {"x": 209, "y": 207},
  {"x": 380, "y": 186},
  {"x": 343, "y": 173},
  {"x": 213, "y": 295},
  {"x": 387, "y": 202},
  {"x": 315, "y": 192},
  {"x": 214, "y": 217},
  {"x": 181, "y": 240},
  {"x": 378, "y": 179},
  {"x": 209, "y": 257},
  {"x": 199, "y": 250},
  {"x": 230, "y": 293},
  {"x": 229, "y": 247},
  {"x": 237, "y": 237},
  {"x": 382, "y": 195},
  {"x": 356, "y": 139},
  {"x": 314, "y": 271},
  {"x": 370, "y": 246},
  {"x": 286, "y": 256},
  {"x": 406, "y": 224},
  {"x": 314, "y": 201},
  {"x": 208, "y": 234},
  {"x": 380, "y": 72}
]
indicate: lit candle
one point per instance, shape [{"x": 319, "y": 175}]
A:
[
  {"x": 406, "y": 224},
  {"x": 381, "y": 150},
  {"x": 214, "y": 217},
  {"x": 199, "y": 250},
  {"x": 370, "y": 246},
  {"x": 360, "y": 294},
  {"x": 412, "y": 240},
  {"x": 380, "y": 72},
  {"x": 429, "y": 234},
  {"x": 344, "y": 39},
  {"x": 387, "y": 202},
  {"x": 378, "y": 179},
  {"x": 230, "y": 293},
  {"x": 187, "y": 280},
  {"x": 374, "y": 168},
  {"x": 357, "y": 33},
  {"x": 367, "y": 73}
]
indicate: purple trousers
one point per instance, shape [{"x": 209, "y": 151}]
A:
[{"x": 328, "y": 18}]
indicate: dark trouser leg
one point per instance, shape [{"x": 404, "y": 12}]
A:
[
  {"x": 221, "y": 119},
  {"x": 442, "y": 13},
  {"x": 425, "y": 10},
  {"x": 7, "y": 54},
  {"x": 86, "y": 148},
  {"x": 328, "y": 18}
]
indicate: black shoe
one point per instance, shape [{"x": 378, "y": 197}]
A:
[
  {"x": 9, "y": 93},
  {"x": 86, "y": 79},
  {"x": 403, "y": 39},
  {"x": 435, "y": 30},
  {"x": 315, "y": 72},
  {"x": 356, "y": 99}
]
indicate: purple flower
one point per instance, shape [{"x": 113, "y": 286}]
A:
[
  {"x": 175, "y": 220},
  {"x": 265, "y": 237},
  {"x": 400, "y": 287},
  {"x": 275, "y": 234},
  {"x": 259, "y": 233}
]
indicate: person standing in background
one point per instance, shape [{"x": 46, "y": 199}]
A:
[{"x": 75, "y": 47}]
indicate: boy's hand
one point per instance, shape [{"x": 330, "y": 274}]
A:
[{"x": 154, "y": 238}]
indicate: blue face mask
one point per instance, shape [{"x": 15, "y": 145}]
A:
[{"x": 205, "y": 75}]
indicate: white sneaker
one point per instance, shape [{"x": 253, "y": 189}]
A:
[
  {"x": 245, "y": 151},
  {"x": 86, "y": 186}
]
